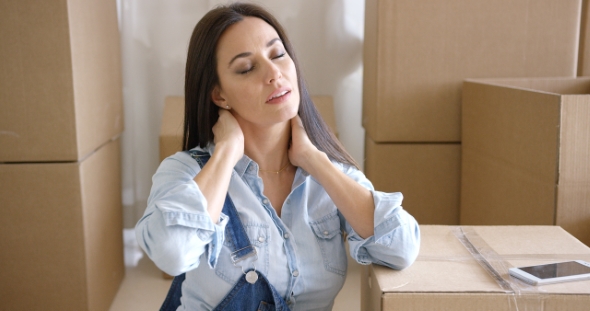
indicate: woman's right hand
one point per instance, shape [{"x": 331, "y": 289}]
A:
[{"x": 229, "y": 138}]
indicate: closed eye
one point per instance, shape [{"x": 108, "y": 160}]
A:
[
  {"x": 243, "y": 72},
  {"x": 279, "y": 56}
]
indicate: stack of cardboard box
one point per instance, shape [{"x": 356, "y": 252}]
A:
[
  {"x": 520, "y": 130},
  {"x": 60, "y": 175},
  {"x": 416, "y": 57}
]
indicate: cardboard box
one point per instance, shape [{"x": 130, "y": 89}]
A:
[
  {"x": 526, "y": 151},
  {"x": 172, "y": 126},
  {"x": 173, "y": 122},
  {"x": 584, "y": 56},
  {"x": 447, "y": 276},
  {"x": 325, "y": 105},
  {"x": 61, "y": 233},
  {"x": 60, "y": 83},
  {"x": 416, "y": 57},
  {"x": 426, "y": 174}
]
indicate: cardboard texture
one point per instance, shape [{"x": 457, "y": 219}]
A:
[
  {"x": 584, "y": 54},
  {"x": 61, "y": 233},
  {"x": 525, "y": 151},
  {"x": 426, "y": 174},
  {"x": 60, "y": 79},
  {"x": 172, "y": 126},
  {"x": 416, "y": 57},
  {"x": 446, "y": 276},
  {"x": 325, "y": 105},
  {"x": 173, "y": 120}
]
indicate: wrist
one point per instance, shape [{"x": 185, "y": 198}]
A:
[
  {"x": 316, "y": 161},
  {"x": 229, "y": 151}
]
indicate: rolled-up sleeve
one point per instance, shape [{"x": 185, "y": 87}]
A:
[
  {"x": 176, "y": 229},
  {"x": 396, "y": 239}
]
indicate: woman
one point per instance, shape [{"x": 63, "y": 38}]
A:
[{"x": 252, "y": 133}]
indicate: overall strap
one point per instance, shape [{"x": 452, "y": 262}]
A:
[
  {"x": 253, "y": 291},
  {"x": 234, "y": 232}
]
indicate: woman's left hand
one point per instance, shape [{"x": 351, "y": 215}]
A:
[
  {"x": 351, "y": 198},
  {"x": 302, "y": 152}
]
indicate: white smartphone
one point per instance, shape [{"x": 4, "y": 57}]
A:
[{"x": 552, "y": 273}]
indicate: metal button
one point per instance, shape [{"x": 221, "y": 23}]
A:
[
  {"x": 295, "y": 273},
  {"x": 261, "y": 239},
  {"x": 326, "y": 233},
  {"x": 286, "y": 236},
  {"x": 265, "y": 201},
  {"x": 252, "y": 277}
]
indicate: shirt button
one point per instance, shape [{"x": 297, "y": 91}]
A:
[
  {"x": 326, "y": 233},
  {"x": 250, "y": 169},
  {"x": 286, "y": 236},
  {"x": 295, "y": 273},
  {"x": 288, "y": 201},
  {"x": 265, "y": 201},
  {"x": 261, "y": 239}
]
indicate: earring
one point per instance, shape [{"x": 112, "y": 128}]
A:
[{"x": 227, "y": 107}]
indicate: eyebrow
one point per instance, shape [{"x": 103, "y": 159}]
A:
[{"x": 246, "y": 54}]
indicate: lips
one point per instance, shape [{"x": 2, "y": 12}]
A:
[{"x": 279, "y": 95}]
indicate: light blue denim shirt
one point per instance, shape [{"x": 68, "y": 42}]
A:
[{"x": 302, "y": 252}]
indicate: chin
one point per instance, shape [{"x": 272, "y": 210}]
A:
[{"x": 293, "y": 110}]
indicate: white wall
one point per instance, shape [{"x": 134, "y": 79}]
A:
[{"x": 327, "y": 36}]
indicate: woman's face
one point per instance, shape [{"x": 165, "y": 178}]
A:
[{"x": 257, "y": 77}]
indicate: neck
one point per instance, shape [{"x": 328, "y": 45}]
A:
[{"x": 268, "y": 146}]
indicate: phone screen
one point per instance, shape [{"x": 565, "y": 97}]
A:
[{"x": 555, "y": 270}]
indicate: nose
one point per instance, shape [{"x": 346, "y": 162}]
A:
[{"x": 274, "y": 73}]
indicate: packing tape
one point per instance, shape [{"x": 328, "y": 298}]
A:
[{"x": 523, "y": 296}]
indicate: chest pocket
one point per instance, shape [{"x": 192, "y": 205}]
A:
[
  {"x": 329, "y": 237},
  {"x": 259, "y": 237}
]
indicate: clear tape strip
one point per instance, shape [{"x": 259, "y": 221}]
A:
[
  {"x": 522, "y": 296},
  {"x": 484, "y": 255}
]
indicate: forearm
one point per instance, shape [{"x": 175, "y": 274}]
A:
[
  {"x": 213, "y": 180},
  {"x": 396, "y": 242},
  {"x": 173, "y": 248},
  {"x": 352, "y": 200}
]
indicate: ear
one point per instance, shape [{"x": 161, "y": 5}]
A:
[{"x": 218, "y": 98}]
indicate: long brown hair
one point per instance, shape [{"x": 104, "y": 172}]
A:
[{"x": 201, "y": 77}]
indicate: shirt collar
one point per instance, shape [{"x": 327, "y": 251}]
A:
[{"x": 247, "y": 165}]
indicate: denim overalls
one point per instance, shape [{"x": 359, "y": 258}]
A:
[{"x": 252, "y": 291}]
